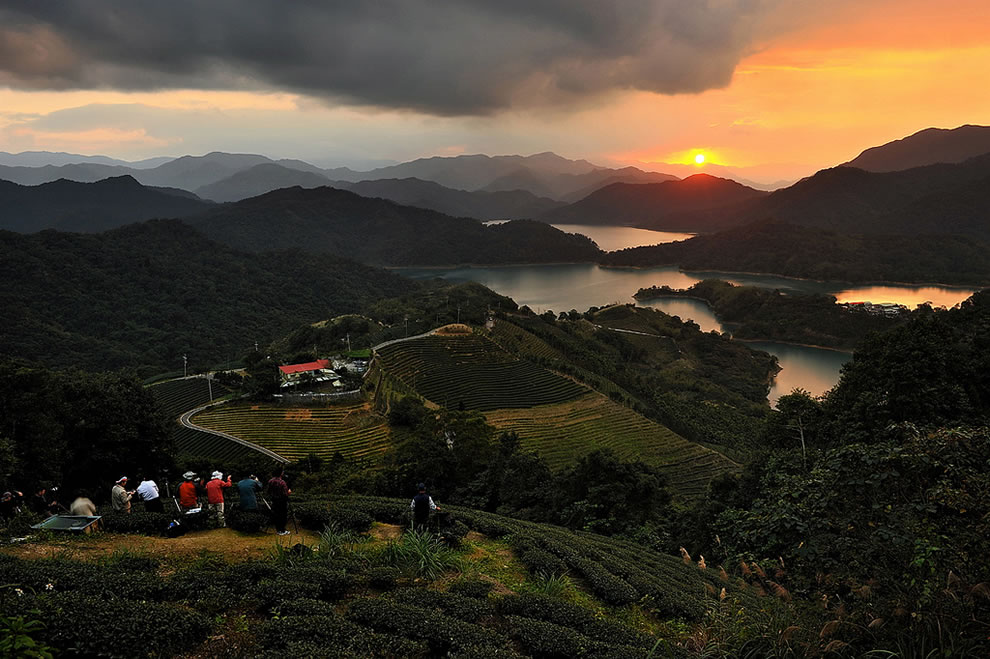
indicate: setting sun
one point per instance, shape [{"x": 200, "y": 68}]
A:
[{"x": 699, "y": 159}]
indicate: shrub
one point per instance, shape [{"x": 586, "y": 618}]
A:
[
  {"x": 566, "y": 614},
  {"x": 328, "y": 634},
  {"x": 104, "y": 581},
  {"x": 246, "y": 521},
  {"x": 544, "y": 639},
  {"x": 89, "y": 626},
  {"x": 143, "y": 523},
  {"x": 472, "y": 588},
  {"x": 383, "y": 578},
  {"x": 305, "y": 607},
  {"x": 540, "y": 562},
  {"x": 442, "y": 633},
  {"x": 463, "y": 608}
]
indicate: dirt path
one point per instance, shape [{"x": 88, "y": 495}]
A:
[{"x": 233, "y": 546}]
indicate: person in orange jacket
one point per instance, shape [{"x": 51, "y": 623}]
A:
[
  {"x": 214, "y": 496},
  {"x": 188, "y": 496}
]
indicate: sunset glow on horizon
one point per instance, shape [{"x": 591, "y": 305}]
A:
[{"x": 816, "y": 88}]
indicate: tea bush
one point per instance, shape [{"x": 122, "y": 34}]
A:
[
  {"x": 246, "y": 521},
  {"x": 137, "y": 522},
  {"x": 566, "y": 614},
  {"x": 441, "y": 633},
  {"x": 331, "y": 632},
  {"x": 463, "y": 608},
  {"x": 544, "y": 639},
  {"x": 89, "y": 626},
  {"x": 472, "y": 588}
]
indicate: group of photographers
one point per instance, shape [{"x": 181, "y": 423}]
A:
[{"x": 193, "y": 493}]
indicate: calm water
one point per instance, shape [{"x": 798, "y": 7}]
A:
[
  {"x": 613, "y": 238},
  {"x": 579, "y": 286}
]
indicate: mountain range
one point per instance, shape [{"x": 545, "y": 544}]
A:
[
  {"x": 926, "y": 147},
  {"x": 90, "y": 207},
  {"x": 381, "y": 232}
]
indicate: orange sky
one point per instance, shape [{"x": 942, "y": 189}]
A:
[{"x": 849, "y": 76}]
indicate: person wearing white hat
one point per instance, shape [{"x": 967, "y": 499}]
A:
[
  {"x": 214, "y": 495},
  {"x": 120, "y": 498}
]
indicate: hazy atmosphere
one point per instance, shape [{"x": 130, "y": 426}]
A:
[{"x": 772, "y": 89}]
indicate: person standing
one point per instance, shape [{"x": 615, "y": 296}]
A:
[
  {"x": 188, "y": 496},
  {"x": 279, "y": 491},
  {"x": 421, "y": 506},
  {"x": 248, "y": 489},
  {"x": 148, "y": 491},
  {"x": 214, "y": 496},
  {"x": 120, "y": 498}
]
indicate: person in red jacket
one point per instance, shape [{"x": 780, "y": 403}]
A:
[
  {"x": 214, "y": 495},
  {"x": 188, "y": 497}
]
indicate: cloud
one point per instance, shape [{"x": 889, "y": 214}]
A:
[{"x": 441, "y": 57}]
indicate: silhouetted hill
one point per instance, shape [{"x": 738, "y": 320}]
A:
[
  {"x": 258, "y": 180},
  {"x": 473, "y": 172},
  {"x": 848, "y": 199},
  {"x": 80, "y": 172},
  {"x": 583, "y": 185},
  {"x": 145, "y": 294},
  {"x": 510, "y": 204},
  {"x": 797, "y": 251},
  {"x": 382, "y": 232},
  {"x": 926, "y": 147},
  {"x": 89, "y": 207},
  {"x": 692, "y": 204}
]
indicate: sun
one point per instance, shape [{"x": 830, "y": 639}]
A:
[{"x": 699, "y": 159}]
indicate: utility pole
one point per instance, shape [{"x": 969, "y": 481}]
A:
[
  {"x": 458, "y": 313},
  {"x": 185, "y": 364},
  {"x": 209, "y": 383},
  {"x": 348, "y": 342},
  {"x": 406, "y": 320}
]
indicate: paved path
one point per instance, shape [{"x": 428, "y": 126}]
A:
[
  {"x": 185, "y": 421},
  {"x": 405, "y": 338}
]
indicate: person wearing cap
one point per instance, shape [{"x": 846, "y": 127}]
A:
[
  {"x": 10, "y": 504},
  {"x": 421, "y": 506},
  {"x": 188, "y": 497},
  {"x": 148, "y": 491},
  {"x": 120, "y": 498},
  {"x": 214, "y": 496}
]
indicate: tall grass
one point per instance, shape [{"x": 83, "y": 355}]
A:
[{"x": 420, "y": 554}]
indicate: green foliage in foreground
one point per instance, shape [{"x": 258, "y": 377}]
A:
[{"x": 350, "y": 596}]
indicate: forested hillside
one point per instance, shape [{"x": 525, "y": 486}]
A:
[
  {"x": 794, "y": 251},
  {"x": 383, "y": 233},
  {"x": 145, "y": 295}
]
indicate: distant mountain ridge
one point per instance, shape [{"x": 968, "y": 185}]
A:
[
  {"x": 693, "y": 204},
  {"x": 259, "y": 179},
  {"x": 90, "y": 207},
  {"x": 381, "y": 232},
  {"x": 926, "y": 147}
]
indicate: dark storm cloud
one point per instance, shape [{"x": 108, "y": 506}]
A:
[{"x": 448, "y": 57}]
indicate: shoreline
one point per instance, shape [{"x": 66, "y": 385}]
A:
[
  {"x": 872, "y": 282},
  {"x": 727, "y": 325}
]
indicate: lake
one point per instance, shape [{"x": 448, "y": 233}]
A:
[{"x": 562, "y": 287}]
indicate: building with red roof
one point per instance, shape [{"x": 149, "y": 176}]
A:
[{"x": 319, "y": 371}]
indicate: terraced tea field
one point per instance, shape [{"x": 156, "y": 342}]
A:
[
  {"x": 178, "y": 396},
  {"x": 203, "y": 444},
  {"x": 295, "y": 432},
  {"x": 472, "y": 371},
  {"x": 563, "y": 432}
]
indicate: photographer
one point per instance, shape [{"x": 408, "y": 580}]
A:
[
  {"x": 120, "y": 498},
  {"x": 214, "y": 496},
  {"x": 248, "y": 489},
  {"x": 279, "y": 491}
]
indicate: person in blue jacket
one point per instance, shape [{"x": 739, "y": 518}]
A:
[{"x": 248, "y": 489}]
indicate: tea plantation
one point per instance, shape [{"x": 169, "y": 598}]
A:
[
  {"x": 491, "y": 586},
  {"x": 293, "y": 432},
  {"x": 473, "y": 372},
  {"x": 564, "y": 432},
  {"x": 178, "y": 396}
]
